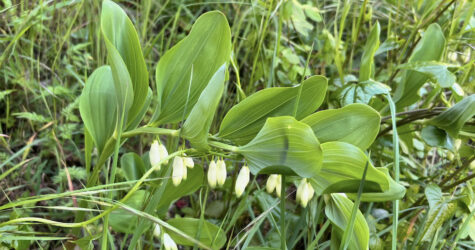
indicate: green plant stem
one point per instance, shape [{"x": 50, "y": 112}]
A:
[{"x": 282, "y": 215}]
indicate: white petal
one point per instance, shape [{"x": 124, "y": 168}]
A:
[
  {"x": 304, "y": 198},
  {"x": 154, "y": 155},
  {"x": 242, "y": 181},
  {"x": 221, "y": 175},
  {"x": 300, "y": 188},
  {"x": 311, "y": 191},
  {"x": 178, "y": 173},
  {"x": 278, "y": 185},
  {"x": 168, "y": 242},
  {"x": 271, "y": 183},
  {"x": 212, "y": 174},
  {"x": 189, "y": 162},
  {"x": 156, "y": 231},
  {"x": 163, "y": 152}
]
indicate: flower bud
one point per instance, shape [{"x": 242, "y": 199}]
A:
[
  {"x": 168, "y": 242},
  {"x": 212, "y": 178},
  {"x": 242, "y": 180},
  {"x": 271, "y": 183},
  {"x": 278, "y": 185},
  {"x": 157, "y": 231},
  {"x": 188, "y": 161},
  {"x": 221, "y": 172},
  {"x": 154, "y": 155},
  {"x": 163, "y": 152},
  {"x": 179, "y": 171},
  {"x": 305, "y": 192}
]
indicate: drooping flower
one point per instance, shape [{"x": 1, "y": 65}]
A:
[
  {"x": 154, "y": 155},
  {"x": 271, "y": 183},
  {"x": 168, "y": 242},
  {"x": 163, "y": 152},
  {"x": 179, "y": 171},
  {"x": 157, "y": 231},
  {"x": 221, "y": 172},
  {"x": 278, "y": 185},
  {"x": 212, "y": 174},
  {"x": 242, "y": 180},
  {"x": 305, "y": 192},
  {"x": 188, "y": 161}
]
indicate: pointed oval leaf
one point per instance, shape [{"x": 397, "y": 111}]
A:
[
  {"x": 203, "y": 231},
  {"x": 367, "y": 59},
  {"x": 453, "y": 119},
  {"x": 98, "y": 106},
  {"x": 284, "y": 146},
  {"x": 342, "y": 170},
  {"x": 132, "y": 166},
  {"x": 430, "y": 48},
  {"x": 205, "y": 49},
  {"x": 120, "y": 32},
  {"x": 395, "y": 192},
  {"x": 245, "y": 119},
  {"x": 357, "y": 124},
  {"x": 338, "y": 210},
  {"x": 198, "y": 123}
]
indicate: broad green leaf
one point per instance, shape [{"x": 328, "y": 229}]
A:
[
  {"x": 453, "y": 119},
  {"x": 436, "y": 137},
  {"x": 132, "y": 166},
  {"x": 197, "y": 57},
  {"x": 186, "y": 187},
  {"x": 284, "y": 146},
  {"x": 357, "y": 124},
  {"x": 436, "y": 71},
  {"x": 198, "y": 123},
  {"x": 360, "y": 92},
  {"x": 395, "y": 192},
  {"x": 367, "y": 59},
  {"x": 244, "y": 120},
  {"x": 138, "y": 118},
  {"x": 203, "y": 231},
  {"x": 338, "y": 210},
  {"x": 342, "y": 170},
  {"x": 123, "y": 221},
  {"x": 119, "y": 32},
  {"x": 440, "y": 210},
  {"x": 430, "y": 48},
  {"x": 98, "y": 106}
]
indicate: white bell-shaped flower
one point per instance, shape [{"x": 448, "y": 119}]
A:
[
  {"x": 163, "y": 152},
  {"x": 179, "y": 171},
  {"x": 188, "y": 161},
  {"x": 305, "y": 192},
  {"x": 212, "y": 174},
  {"x": 221, "y": 172},
  {"x": 157, "y": 231},
  {"x": 168, "y": 242},
  {"x": 242, "y": 180},
  {"x": 271, "y": 183},
  {"x": 154, "y": 155}
]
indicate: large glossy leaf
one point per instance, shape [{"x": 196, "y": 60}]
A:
[
  {"x": 195, "y": 58},
  {"x": 338, "y": 210},
  {"x": 198, "y": 123},
  {"x": 367, "y": 59},
  {"x": 429, "y": 48},
  {"x": 342, "y": 170},
  {"x": 203, "y": 231},
  {"x": 395, "y": 192},
  {"x": 120, "y": 33},
  {"x": 186, "y": 187},
  {"x": 284, "y": 146},
  {"x": 245, "y": 119},
  {"x": 132, "y": 166},
  {"x": 98, "y": 106},
  {"x": 123, "y": 221},
  {"x": 360, "y": 92},
  {"x": 453, "y": 119},
  {"x": 357, "y": 124}
]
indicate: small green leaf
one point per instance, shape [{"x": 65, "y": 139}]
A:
[
  {"x": 453, "y": 119},
  {"x": 436, "y": 137},
  {"x": 367, "y": 59},
  {"x": 361, "y": 92},
  {"x": 199, "y": 56},
  {"x": 203, "y": 231},
  {"x": 284, "y": 146},
  {"x": 123, "y": 221},
  {"x": 436, "y": 71},
  {"x": 119, "y": 33},
  {"x": 186, "y": 187},
  {"x": 132, "y": 165},
  {"x": 338, "y": 210},
  {"x": 98, "y": 106},
  {"x": 357, "y": 124},
  {"x": 245, "y": 119},
  {"x": 342, "y": 169},
  {"x": 198, "y": 123},
  {"x": 429, "y": 48}
]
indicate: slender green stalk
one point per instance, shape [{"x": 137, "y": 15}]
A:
[{"x": 282, "y": 215}]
